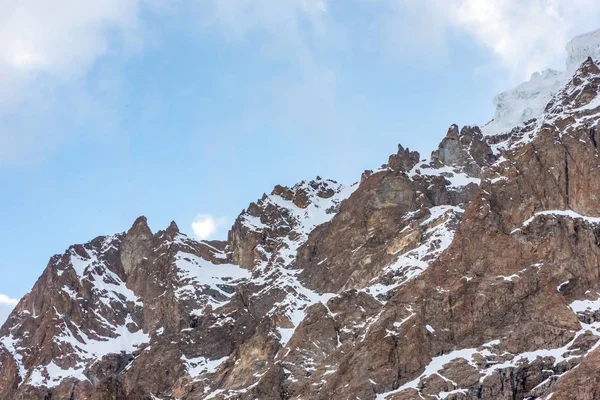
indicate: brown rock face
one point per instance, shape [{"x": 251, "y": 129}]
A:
[
  {"x": 472, "y": 274},
  {"x": 386, "y": 212},
  {"x": 467, "y": 150},
  {"x": 404, "y": 160},
  {"x": 136, "y": 246}
]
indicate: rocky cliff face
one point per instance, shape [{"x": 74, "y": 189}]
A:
[{"x": 473, "y": 273}]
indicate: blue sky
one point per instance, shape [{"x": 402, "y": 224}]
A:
[{"x": 118, "y": 108}]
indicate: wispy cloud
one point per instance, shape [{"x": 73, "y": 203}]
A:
[
  {"x": 64, "y": 37},
  {"x": 46, "y": 51},
  {"x": 298, "y": 40},
  {"x": 49, "y": 48},
  {"x": 6, "y": 306},
  {"x": 206, "y": 226},
  {"x": 524, "y": 36}
]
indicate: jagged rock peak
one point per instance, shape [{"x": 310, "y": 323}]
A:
[
  {"x": 578, "y": 98},
  {"x": 170, "y": 233},
  {"x": 589, "y": 67},
  {"x": 465, "y": 149},
  {"x": 136, "y": 245},
  {"x": 453, "y": 132},
  {"x": 283, "y": 220},
  {"x": 303, "y": 193},
  {"x": 404, "y": 159},
  {"x": 139, "y": 225},
  {"x": 173, "y": 228}
]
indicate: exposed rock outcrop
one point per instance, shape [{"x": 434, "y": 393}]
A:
[{"x": 469, "y": 274}]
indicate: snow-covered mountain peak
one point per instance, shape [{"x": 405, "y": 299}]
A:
[
  {"x": 305, "y": 193},
  {"x": 524, "y": 102},
  {"x": 280, "y": 222},
  {"x": 528, "y": 100},
  {"x": 581, "y": 47}
]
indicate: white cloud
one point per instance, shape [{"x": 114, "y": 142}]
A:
[
  {"x": 205, "y": 226},
  {"x": 524, "y": 36},
  {"x": 47, "y": 49},
  {"x": 62, "y": 37},
  {"x": 6, "y": 306},
  {"x": 47, "y": 46}
]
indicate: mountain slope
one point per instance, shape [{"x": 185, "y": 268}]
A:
[{"x": 469, "y": 274}]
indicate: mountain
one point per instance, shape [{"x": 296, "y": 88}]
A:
[{"x": 473, "y": 273}]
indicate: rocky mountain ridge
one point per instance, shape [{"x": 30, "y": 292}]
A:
[{"x": 471, "y": 274}]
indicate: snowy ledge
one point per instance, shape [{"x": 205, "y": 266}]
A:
[{"x": 563, "y": 213}]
